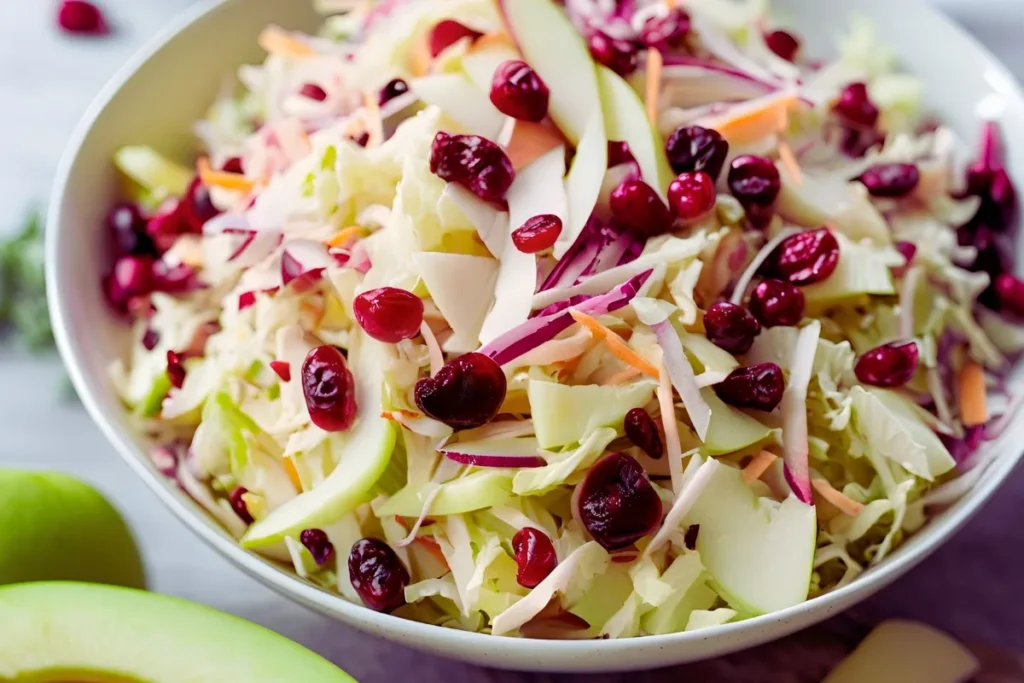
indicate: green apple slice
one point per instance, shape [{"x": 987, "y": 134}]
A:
[
  {"x": 564, "y": 415},
  {"x": 477, "y": 491},
  {"x": 154, "y": 176},
  {"x": 730, "y": 430}
]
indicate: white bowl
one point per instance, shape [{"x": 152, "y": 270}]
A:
[{"x": 164, "y": 89}]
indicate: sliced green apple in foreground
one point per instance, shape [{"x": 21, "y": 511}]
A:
[
  {"x": 152, "y": 176},
  {"x": 730, "y": 430},
  {"x": 86, "y": 632},
  {"x": 758, "y": 553},
  {"x": 564, "y": 414}
]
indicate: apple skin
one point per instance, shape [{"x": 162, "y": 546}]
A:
[{"x": 54, "y": 527}]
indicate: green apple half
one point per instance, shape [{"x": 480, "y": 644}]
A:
[{"x": 88, "y": 633}]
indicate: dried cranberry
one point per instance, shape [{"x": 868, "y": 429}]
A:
[
  {"x": 329, "y": 389},
  {"x": 396, "y": 87},
  {"x": 128, "y": 230},
  {"x": 377, "y": 574},
  {"x": 755, "y": 183},
  {"x": 245, "y": 300},
  {"x": 282, "y": 369},
  {"x": 907, "y": 249},
  {"x": 855, "y": 106},
  {"x": 617, "y": 503},
  {"x": 362, "y": 139},
  {"x": 755, "y": 386},
  {"x": 666, "y": 32},
  {"x": 691, "y": 535},
  {"x": 313, "y": 92},
  {"x": 774, "y": 303},
  {"x": 637, "y": 206},
  {"x": 465, "y": 393},
  {"x": 474, "y": 162},
  {"x": 889, "y": 365},
  {"x": 78, "y": 16},
  {"x": 197, "y": 206},
  {"x": 891, "y": 180},
  {"x": 175, "y": 370},
  {"x": 446, "y": 33},
  {"x": 131, "y": 276},
  {"x": 692, "y": 195},
  {"x": 783, "y": 43},
  {"x": 167, "y": 223},
  {"x": 173, "y": 279},
  {"x": 233, "y": 165},
  {"x": 641, "y": 430},
  {"x": 731, "y": 327},
  {"x": 804, "y": 258},
  {"x": 537, "y": 233},
  {"x": 1010, "y": 293},
  {"x": 535, "y": 556},
  {"x": 518, "y": 91},
  {"x": 150, "y": 339},
  {"x": 619, "y": 153},
  {"x": 239, "y": 506},
  {"x": 618, "y": 55},
  {"x": 318, "y": 545},
  {"x": 389, "y": 314},
  {"x": 693, "y": 148}
]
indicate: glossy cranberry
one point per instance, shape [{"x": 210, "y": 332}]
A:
[
  {"x": 891, "y": 180},
  {"x": 637, "y": 206},
  {"x": 535, "y": 556},
  {"x": 389, "y": 314},
  {"x": 396, "y": 87},
  {"x": 245, "y": 300},
  {"x": 690, "y": 536},
  {"x": 474, "y": 162},
  {"x": 282, "y": 369},
  {"x": 131, "y": 276},
  {"x": 755, "y": 183},
  {"x": 128, "y": 230},
  {"x": 731, "y": 327},
  {"x": 774, "y": 303},
  {"x": 233, "y": 165},
  {"x": 174, "y": 279},
  {"x": 362, "y": 139},
  {"x": 329, "y": 389},
  {"x": 755, "y": 386},
  {"x": 855, "y": 106},
  {"x": 175, "y": 370},
  {"x": 446, "y": 33},
  {"x": 620, "y": 56},
  {"x": 804, "y": 258},
  {"x": 907, "y": 249},
  {"x": 641, "y": 430},
  {"x": 318, "y": 545},
  {"x": 693, "y": 148},
  {"x": 692, "y": 195},
  {"x": 78, "y": 16},
  {"x": 783, "y": 43},
  {"x": 666, "y": 32},
  {"x": 1010, "y": 293},
  {"x": 167, "y": 223},
  {"x": 518, "y": 91},
  {"x": 619, "y": 153},
  {"x": 197, "y": 206},
  {"x": 313, "y": 92},
  {"x": 465, "y": 393},
  {"x": 239, "y": 506},
  {"x": 377, "y": 574},
  {"x": 150, "y": 339},
  {"x": 617, "y": 503},
  {"x": 537, "y": 233},
  {"x": 889, "y": 365}
]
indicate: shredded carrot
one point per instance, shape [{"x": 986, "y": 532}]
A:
[
  {"x": 293, "y": 472},
  {"x": 758, "y": 465},
  {"x": 653, "y": 84},
  {"x": 614, "y": 342},
  {"x": 752, "y": 125},
  {"x": 374, "y": 124},
  {"x": 529, "y": 141},
  {"x": 420, "y": 59},
  {"x": 971, "y": 397},
  {"x": 277, "y": 41},
  {"x": 223, "y": 179},
  {"x": 498, "y": 39},
  {"x": 788, "y": 160},
  {"x": 622, "y": 377},
  {"x": 345, "y": 235},
  {"x": 398, "y": 415},
  {"x": 846, "y": 505}
]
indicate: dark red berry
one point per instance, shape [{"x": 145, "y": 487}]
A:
[
  {"x": 731, "y": 327},
  {"x": 78, "y": 16},
  {"x": 692, "y": 195},
  {"x": 389, "y": 314},
  {"x": 467, "y": 392},
  {"x": 1010, "y": 293},
  {"x": 196, "y": 205},
  {"x": 318, "y": 545},
  {"x": 518, "y": 91},
  {"x": 617, "y": 503},
  {"x": 889, "y": 365},
  {"x": 693, "y": 148},
  {"x": 173, "y": 279},
  {"x": 855, "y": 106},
  {"x": 282, "y": 369},
  {"x": 537, "y": 233},
  {"x": 474, "y": 162},
  {"x": 691, "y": 535},
  {"x": 535, "y": 556},
  {"x": 907, "y": 249},
  {"x": 446, "y": 33},
  {"x": 783, "y": 43},
  {"x": 377, "y": 574},
  {"x": 891, "y": 180},
  {"x": 128, "y": 230},
  {"x": 641, "y": 430},
  {"x": 804, "y": 258},
  {"x": 620, "y": 56},
  {"x": 131, "y": 276},
  {"x": 329, "y": 389},
  {"x": 313, "y": 91},
  {"x": 396, "y": 87},
  {"x": 667, "y": 32},
  {"x": 167, "y": 223},
  {"x": 238, "y": 505},
  {"x": 637, "y": 206},
  {"x": 755, "y": 183},
  {"x": 233, "y": 165},
  {"x": 755, "y": 386},
  {"x": 618, "y": 153},
  {"x": 150, "y": 339},
  {"x": 774, "y": 303},
  {"x": 245, "y": 300},
  {"x": 175, "y": 369}
]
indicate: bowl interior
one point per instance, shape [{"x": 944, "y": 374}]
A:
[{"x": 164, "y": 90}]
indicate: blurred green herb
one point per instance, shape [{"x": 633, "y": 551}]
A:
[{"x": 23, "y": 286}]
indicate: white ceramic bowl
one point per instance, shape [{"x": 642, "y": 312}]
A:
[{"x": 164, "y": 89}]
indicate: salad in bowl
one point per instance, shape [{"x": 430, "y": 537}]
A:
[{"x": 569, "y": 320}]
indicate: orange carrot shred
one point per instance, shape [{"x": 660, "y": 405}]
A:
[
  {"x": 971, "y": 397},
  {"x": 846, "y": 505},
  {"x": 345, "y": 235},
  {"x": 653, "y": 84},
  {"x": 614, "y": 342},
  {"x": 293, "y": 473},
  {"x": 749, "y": 126},
  {"x": 758, "y": 465},
  {"x": 277, "y": 41},
  {"x": 788, "y": 160},
  {"x": 223, "y": 179},
  {"x": 622, "y": 376}
]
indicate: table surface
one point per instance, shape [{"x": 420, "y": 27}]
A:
[{"x": 969, "y": 587}]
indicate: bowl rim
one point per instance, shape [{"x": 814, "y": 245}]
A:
[{"x": 731, "y": 636}]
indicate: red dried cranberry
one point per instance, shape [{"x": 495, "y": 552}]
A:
[
  {"x": 282, "y": 369},
  {"x": 619, "y": 153},
  {"x": 318, "y": 545},
  {"x": 692, "y": 195},
  {"x": 535, "y": 556},
  {"x": 167, "y": 223},
  {"x": 131, "y": 276},
  {"x": 173, "y": 279},
  {"x": 804, "y": 258},
  {"x": 783, "y": 43},
  {"x": 667, "y": 32},
  {"x": 239, "y": 506},
  {"x": 446, "y": 33},
  {"x": 377, "y": 574},
  {"x": 891, "y": 180},
  {"x": 731, "y": 327},
  {"x": 889, "y": 365},
  {"x": 467, "y": 392},
  {"x": 362, "y": 139},
  {"x": 389, "y": 314},
  {"x": 618, "y": 55},
  {"x": 329, "y": 389},
  {"x": 755, "y": 183},
  {"x": 518, "y": 91},
  {"x": 233, "y": 165},
  {"x": 641, "y": 430},
  {"x": 474, "y": 162},
  {"x": 245, "y": 300},
  {"x": 197, "y": 206},
  {"x": 150, "y": 339},
  {"x": 78, "y": 16},
  {"x": 617, "y": 503},
  {"x": 128, "y": 230},
  {"x": 396, "y": 87},
  {"x": 637, "y": 206},
  {"x": 313, "y": 92},
  {"x": 755, "y": 386},
  {"x": 855, "y": 106},
  {"x": 774, "y": 303},
  {"x": 175, "y": 369},
  {"x": 537, "y": 233},
  {"x": 691, "y": 535},
  {"x": 1010, "y": 293},
  {"x": 693, "y": 148},
  {"x": 907, "y": 249}
]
